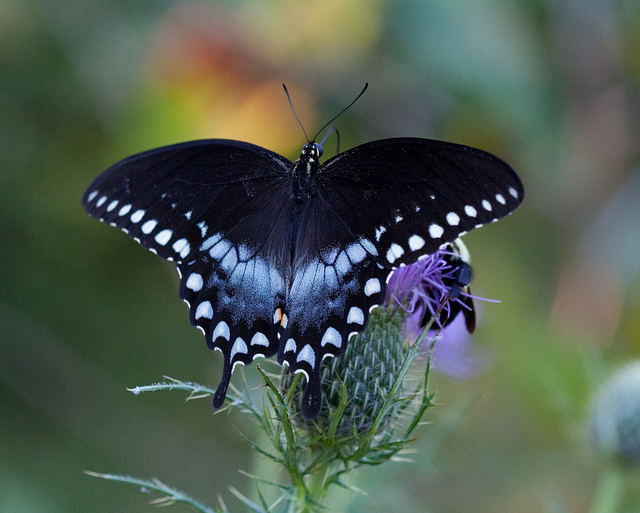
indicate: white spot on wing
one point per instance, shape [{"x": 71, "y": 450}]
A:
[
  {"x": 453, "y": 219},
  {"x": 486, "y": 205},
  {"x": 220, "y": 249},
  {"x": 356, "y": 253},
  {"x": 470, "y": 211},
  {"x": 194, "y": 282},
  {"x": 355, "y": 316},
  {"x": 235, "y": 364},
  {"x": 435, "y": 231},
  {"x": 92, "y": 196},
  {"x": 203, "y": 228},
  {"x": 308, "y": 355},
  {"x": 500, "y": 199},
  {"x": 188, "y": 214},
  {"x": 299, "y": 371},
  {"x": 221, "y": 330},
  {"x": 163, "y": 237},
  {"x": 398, "y": 219},
  {"x": 416, "y": 242},
  {"x": 137, "y": 216},
  {"x": 331, "y": 336},
  {"x": 101, "y": 201},
  {"x": 239, "y": 346},
  {"x": 210, "y": 242},
  {"x": 179, "y": 245},
  {"x": 112, "y": 205},
  {"x": 372, "y": 287},
  {"x": 124, "y": 210},
  {"x": 290, "y": 345},
  {"x": 204, "y": 310},
  {"x": 379, "y": 232},
  {"x": 148, "y": 227},
  {"x": 185, "y": 251},
  {"x": 513, "y": 192},
  {"x": 368, "y": 246},
  {"x": 342, "y": 264},
  {"x": 394, "y": 252},
  {"x": 259, "y": 339}
]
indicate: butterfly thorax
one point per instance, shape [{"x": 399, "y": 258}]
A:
[
  {"x": 304, "y": 172},
  {"x": 305, "y": 169}
]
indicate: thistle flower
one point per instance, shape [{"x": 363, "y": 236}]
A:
[
  {"x": 615, "y": 415},
  {"x": 434, "y": 287},
  {"x": 368, "y": 417},
  {"x": 437, "y": 284}
]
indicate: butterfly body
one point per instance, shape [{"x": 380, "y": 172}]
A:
[{"x": 289, "y": 258}]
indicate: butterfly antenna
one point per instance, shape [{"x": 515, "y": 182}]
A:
[
  {"x": 343, "y": 110},
  {"x": 294, "y": 112},
  {"x": 326, "y": 136}
]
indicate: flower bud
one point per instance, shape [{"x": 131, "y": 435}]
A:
[{"x": 615, "y": 415}]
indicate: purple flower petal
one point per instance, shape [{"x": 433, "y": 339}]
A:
[
  {"x": 455, "y": 355},
  {"x": 421, "y": 289}
]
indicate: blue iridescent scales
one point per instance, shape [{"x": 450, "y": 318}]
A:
[{"x": 289, "y": 259}]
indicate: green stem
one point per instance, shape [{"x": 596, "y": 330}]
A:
[{"x": 313, "y": 494}]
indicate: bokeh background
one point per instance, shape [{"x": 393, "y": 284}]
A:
[{"x": 551, "y": 86}]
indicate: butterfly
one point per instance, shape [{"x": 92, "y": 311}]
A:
[{"x": 289, "y": 258}]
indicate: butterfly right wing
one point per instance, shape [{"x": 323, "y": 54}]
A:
[{"x": 220, "y": 209}]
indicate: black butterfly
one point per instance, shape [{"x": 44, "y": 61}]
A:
[{"x": 290, "y": 258}]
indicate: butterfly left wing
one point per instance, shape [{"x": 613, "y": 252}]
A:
[
  {"x": 219, "y": 209},
  {"x": 169, "y": 199}
]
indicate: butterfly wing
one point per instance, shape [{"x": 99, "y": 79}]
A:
[
  {"x": 221, "y": 210},
  {"x": 334, "y": 285},
  {"x": 379, "y": 206},
  {"x": 407, "y": 197}
]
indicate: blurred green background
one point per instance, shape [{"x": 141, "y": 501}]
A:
[{"x": 550, "y": 86}]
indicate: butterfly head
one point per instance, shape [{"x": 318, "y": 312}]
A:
[{"x": 311, "y": 152}]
